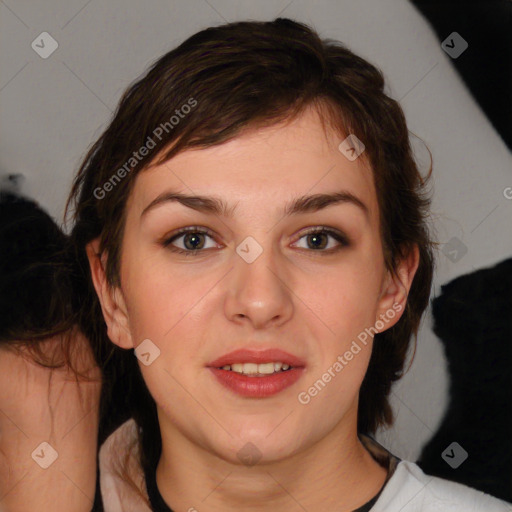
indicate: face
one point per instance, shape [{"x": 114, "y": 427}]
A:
[{"x": 255, "y": 283}]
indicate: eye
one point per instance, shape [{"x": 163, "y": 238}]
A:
[
  {"x": 317, "y": 239},
  {"x": 193, "y": 239}
]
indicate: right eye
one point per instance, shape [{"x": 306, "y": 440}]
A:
[{"x": 193, "y": 240}]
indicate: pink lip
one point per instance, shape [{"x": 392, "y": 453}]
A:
[
  {"x": 257, "y": 387},
  {"x": 257, "y": 356}
]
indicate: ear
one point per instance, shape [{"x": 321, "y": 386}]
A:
[
  {"x": 111, "y": 298},
  {"x": 396, "y": 288}
]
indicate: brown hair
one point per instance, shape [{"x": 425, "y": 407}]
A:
[{"x": 236, "y": 77}]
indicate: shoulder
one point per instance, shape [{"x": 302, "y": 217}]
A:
[
  {"x": 411, "y": 490},
  {"x": 122, "y": 482}
]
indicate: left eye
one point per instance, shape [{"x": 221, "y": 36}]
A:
[{"x": 319, "y": 239}]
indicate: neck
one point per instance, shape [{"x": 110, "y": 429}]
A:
[{"x": 336, "y": 472}]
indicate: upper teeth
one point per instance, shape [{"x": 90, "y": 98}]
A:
[{"x": 254, "y": 369}]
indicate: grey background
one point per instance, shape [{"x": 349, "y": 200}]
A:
[{"x": 53, "y": 109}]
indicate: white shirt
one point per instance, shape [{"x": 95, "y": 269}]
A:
[
  {"x": 411, "y": 490},
  {"x": 408, "y": 489}
]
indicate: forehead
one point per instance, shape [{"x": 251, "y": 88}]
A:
[{"x": 263, "y": 167}]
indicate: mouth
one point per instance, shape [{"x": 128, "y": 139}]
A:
[
  {"x": 257, "y": 370},
  {"x": 257, "y": 374}
]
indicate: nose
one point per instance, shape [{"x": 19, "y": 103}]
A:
[{"x": 258, "y": 292}]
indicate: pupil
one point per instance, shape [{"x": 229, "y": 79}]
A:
[
  {"x": 194, "y": 236},
  {"x": 316, "y": 237}
]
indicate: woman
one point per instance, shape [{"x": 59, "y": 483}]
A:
[
  {"x": 49, "y": 381},
  {"x": 255, "y": 228}
]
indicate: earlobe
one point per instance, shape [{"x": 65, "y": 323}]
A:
[
  {"x": 111, "y": 299},
  {"x": 397, "y": 286}
]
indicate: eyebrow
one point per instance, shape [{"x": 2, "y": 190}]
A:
[{"x": 215, "y": 205}]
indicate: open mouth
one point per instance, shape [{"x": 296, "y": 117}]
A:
[
  {"x": 257, "y": 370},
  {"x": 257, "y": 373}
]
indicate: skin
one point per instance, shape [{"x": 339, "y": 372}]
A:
[
  {"x": 197, "y": 308},
  {"x": 37, "y": 405}
]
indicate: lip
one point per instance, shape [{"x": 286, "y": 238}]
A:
[
  {"x": 258, "y": 357},
  {"x": 252, "y": 386},
  {"x": 257, "y": 387}
]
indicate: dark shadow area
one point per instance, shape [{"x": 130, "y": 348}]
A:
[
  {"x": 486, "y": 65},
  {"x": 473, "y": 319}
]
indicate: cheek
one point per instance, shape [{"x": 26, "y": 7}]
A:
[
  {"x": 346, "y": 301},
  {"x": 166, "y": 305},
  {"x": 156, "y": 297},
  {"x": 346, "y": 297}
]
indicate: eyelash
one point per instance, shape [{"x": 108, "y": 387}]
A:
[{"x": 338, "y": 236}]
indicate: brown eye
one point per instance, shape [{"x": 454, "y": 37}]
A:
[
  {"x": 189, "y": 241},
  {"x": 318, "y": 239},
  {"x": 193, "y": 241}
]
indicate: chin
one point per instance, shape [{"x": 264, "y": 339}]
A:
[{"x": 260, "y": 446}]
